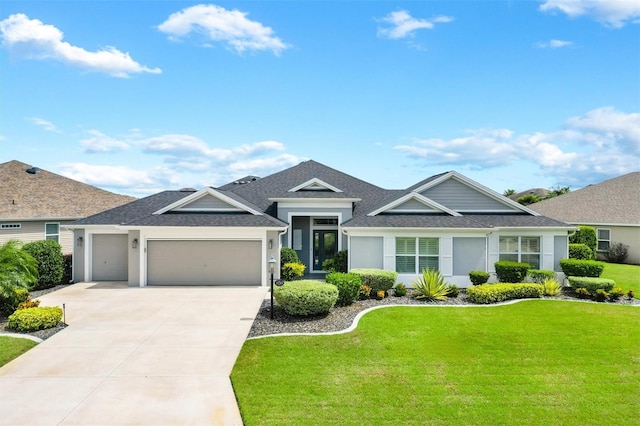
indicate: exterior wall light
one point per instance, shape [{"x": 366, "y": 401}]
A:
[
  {"x": 134, "y": 243},
  {"x": 79, "y": 241}
]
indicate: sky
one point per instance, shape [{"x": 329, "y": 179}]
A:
[{"x": 137, "y": 97}]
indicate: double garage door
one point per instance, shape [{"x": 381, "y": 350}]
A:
[{"x": 204, "y": 262}]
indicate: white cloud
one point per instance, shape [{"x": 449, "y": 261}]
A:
[
  {"x": 101, "y": 143},
  {"x": 603, "y": 142},
  {"x": 613, "y": 13},
  {"x": 34, "y": 39},
  {"x": 106, "y": 176},
  {"x": 46, "y": 125},
  {"x": 553, "y": 44},
  {"x": 231, "y": 28},
  {"x": 262, "y": 165},
  {"x": 400, "y": 24}
]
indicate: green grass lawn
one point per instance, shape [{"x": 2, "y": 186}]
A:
[
  {"x": 625, "y": 276},
  {"x": 536, "y": 362},
  {"x": 11, "y": 347}
]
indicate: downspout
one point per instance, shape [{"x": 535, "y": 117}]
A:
[
  {"x": 348, "y": 247},
  {"x": 486, "y": 250}
]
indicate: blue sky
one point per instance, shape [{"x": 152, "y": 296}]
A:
[{"x": 141, "y": 96}]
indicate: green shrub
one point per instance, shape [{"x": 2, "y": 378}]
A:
[
  {"x": 479, "y": 277},
  {"x": 551, "y": 287},
  {"x": 452, "y": 290},
  {"x": 582, "y": 293},
  {"x": 48, "y": 254},
  {"x": 616, "y": 293},
  {"x": 493, "y": 293},
  {"x": 377, "y": 279},
  {"x": 348, "y": 286},
  {"x": 292, "y": 271},
  {"x": 617, "y": 252},
  {"x": 430, "y": 286},
  {"x": 592, "y": 284},
  {"x": 400, "y": 290},
  {"x": 339, "y": 263},
  {"x": 11, "y": 300},
  {"x": 287, "y": 255},
  {"x": 580, "y": 251},
  {"x": 306, "y": 297},
  {"x": 581, "y": 268},
  {"x": 365, "y": 291},
  {"x": 585, "y": 235},
  {"x": 511, "y": 272},
  {"x": 34, "y": 319},
  {"x": 539, "y": 275},
  {"x": 601, "y": 295}
]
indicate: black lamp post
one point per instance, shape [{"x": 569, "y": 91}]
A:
[{"x": 272, "y": 264}]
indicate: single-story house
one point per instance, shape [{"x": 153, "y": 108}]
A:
[
  {"x": 227, "y": 235},
  {"x": 612, "y": 207},
  {"x": 36, "y": 204}
]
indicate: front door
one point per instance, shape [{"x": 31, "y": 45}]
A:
[{"x": 325, "y": 246}]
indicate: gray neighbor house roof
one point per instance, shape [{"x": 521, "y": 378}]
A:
[
  {"x": 614, "y": 201},
  {"x": 260, "y": 194},
  {"x": 30, "y": 193}
]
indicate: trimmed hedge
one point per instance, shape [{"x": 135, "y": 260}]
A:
[
  {"x": 377, "y": 279},
  {"x": 48, "y": 254},
  {"x": 493, "y": 293},
  {"x": 580, "y": 251},
  {"x": 348, "y": 286},
  {"x": 479, "y": 277},
  {"x": 539, "y": 275},
  {"x": 33, "y": 319},
  {"x": 591, "y": 284},
  {"x": 511, "y": 272},
  {"x": 306, "y": 297},
  {"x": 581, "y": 268},
  {"x": 585, "y": 235},
  {"x": 338, "y": 263}
]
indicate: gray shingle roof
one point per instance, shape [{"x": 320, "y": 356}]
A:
[
  {"x": 413, "y": 221},
  {"x": 46, "y": 195},
  {"x": 614, "y": 201}
]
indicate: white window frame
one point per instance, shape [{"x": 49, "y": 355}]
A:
[
  {"x": 519, "y": 253},
  {"x": 56, "y": 235},
  {"x": 11, "y": 226},
  {"x": 416, "y": 255},
  {"x": 607, "y": 240}
]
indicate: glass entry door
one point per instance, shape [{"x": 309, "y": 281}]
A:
[{"x": 325, "y": 246}]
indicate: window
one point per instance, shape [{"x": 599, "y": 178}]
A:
[
  {"x": 604, "y": 239},
  {"x": 11, "y": 226},
  {"x": 415, "y": 254},
  {"x": 52, "y": 231},
  {"x": 521, "y": 249}
]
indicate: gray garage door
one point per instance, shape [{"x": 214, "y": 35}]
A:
[
  {"x": 199, "y": 262},
  {"x": 109, "y": 255}
]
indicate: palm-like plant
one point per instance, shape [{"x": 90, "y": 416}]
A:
[
  {"x": 18, "y": 269},
  {"x": 430, "y": 286}
]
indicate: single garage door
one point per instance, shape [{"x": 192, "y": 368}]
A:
[
  {"x": 204, "y": 262},
  {"x": 110, "y": 261}
]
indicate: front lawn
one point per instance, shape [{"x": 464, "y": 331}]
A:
[
  {"x": 625, "y": 276},
  {"x": 11, "y": 347},
  {"x": 534, "y": 362}
]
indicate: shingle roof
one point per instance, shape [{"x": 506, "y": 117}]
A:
[
  {"x": 46, "y": 195},
  {"x": 614, "y": 201},
  {"x": 140, "y": 213},
  {"x": 413, "y": 221}
]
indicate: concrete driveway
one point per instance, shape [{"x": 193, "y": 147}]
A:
[{"x": 147, "y": 356}]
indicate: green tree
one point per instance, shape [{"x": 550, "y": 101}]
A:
[
  {"x": 18, "y": 269},
  {"x": 557, "y": 190},
  {"x": 525, "y": 200},
  {"x": 508, "y": 192}
]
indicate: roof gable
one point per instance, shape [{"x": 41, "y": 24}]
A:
[
  {"x": 464, "y": 195},
  {"x": 413, "y": 203},
  {"x": 208, "y": 200},
  {"x": 315, "y": 184}
]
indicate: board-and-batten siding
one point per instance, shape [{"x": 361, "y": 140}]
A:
[
  {"x": 35, "y": 231},
  {"x": 458, "y": 196},
  {"x": 208, "y": 202}
]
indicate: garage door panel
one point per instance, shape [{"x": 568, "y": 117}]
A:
[
  {"x": 110, "y": 258},
  {"x": 204, "y": 262}
]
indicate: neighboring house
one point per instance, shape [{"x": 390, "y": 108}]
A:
[
  {"x": 612, "y": 207},
  {"x": 226, "y": 235},
  {"x": 36, "y": 204}
]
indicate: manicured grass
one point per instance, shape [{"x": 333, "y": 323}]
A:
[
  {"x": 11, "y": 347},
  {"x": 625, "y": 276},
  {"x": 535, "y": 362}
]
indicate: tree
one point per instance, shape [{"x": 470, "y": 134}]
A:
[
  {"x": 18, "y": 269},
  {"x": 525, "y": 200},
  {"x": 508, "y": 192},
  {"x": 557, "y": 190}
]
